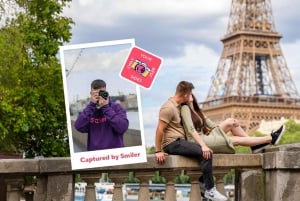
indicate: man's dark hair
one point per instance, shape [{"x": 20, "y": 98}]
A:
[
  {"x": 184, "y": 87},
  {"x": 98, "y": 84}
]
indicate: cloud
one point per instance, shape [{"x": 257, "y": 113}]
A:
[
  {"x": 104, "y": 61},
  {"x": 150, "y": 119},
  {"x": 161, "y": 26},
  {"x": 111, "y": 12},
  {"x": 291, "y": 54},
  {"x": 186, "y": 34}
]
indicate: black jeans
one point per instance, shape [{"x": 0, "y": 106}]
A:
[{"x": 193, "y": 150}]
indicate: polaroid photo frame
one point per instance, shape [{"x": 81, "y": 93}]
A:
[{"x": 83, "y": 63}]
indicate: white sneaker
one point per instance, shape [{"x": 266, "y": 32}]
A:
[
  {"x": 202, "y": 191},
  {"x": 214, "y": 195}
]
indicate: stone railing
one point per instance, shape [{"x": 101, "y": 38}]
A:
[
  {"x": 259, "y": 99},
  {"x": 272, "y": 176}
]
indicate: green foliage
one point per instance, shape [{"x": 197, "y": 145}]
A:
[
  {"x": 182, "y": 178},
  {"x": 292, "y": 132},
  {"x": 229, "y": 177},
  {"x": 291, "y": 135},
  {"x": 131, "y": 178},
  {"x": 77, "y": 178},
  {"x": 32, "y": 111},
  {"x": 157, "y": 179},
  {"x": 242, "y": 149},
  {"x": 150, "y": 150},
  {"x": 257, "y": 134}
]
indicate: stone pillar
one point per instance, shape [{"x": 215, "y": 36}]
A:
[
  {"x": 219, "y": 176},
  {"x": 144, "y": 193},
  {"x": 60, "y": 187},
  {"x": 252, "y": 185},
  {"x": 90, "y": 179},
  {"x": 41, "y": 189},
  {"x": 195, "y": 188},
  {"x": 170, "y": 188},
  {"x": 13, "y": 189},
  {"x": 282, "y": 173},
  {"x": 118, "y": 178}
]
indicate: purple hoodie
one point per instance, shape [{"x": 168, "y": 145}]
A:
[{"x": 105, "y": 126}]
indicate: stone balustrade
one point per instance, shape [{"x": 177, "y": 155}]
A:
[{"x": 272, "y": 176}]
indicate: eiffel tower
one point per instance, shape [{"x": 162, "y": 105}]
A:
[{"x": 252, "y": 81}]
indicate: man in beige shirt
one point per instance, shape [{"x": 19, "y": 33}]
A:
[{"x": 170, "y": 139}]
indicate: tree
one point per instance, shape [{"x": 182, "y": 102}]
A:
[
  {"x": 32, "y": 107},
  {"x": 291, "y": 135},
  {"x": 292, "y": 132},
  {"x": 151, "y": 150}
]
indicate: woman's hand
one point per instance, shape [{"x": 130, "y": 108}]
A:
[
  {"x": 235, "y": 123},
  {"x": 207, "y": 152}
]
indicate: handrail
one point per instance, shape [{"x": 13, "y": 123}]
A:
[
  {"x": 63, "y": 164},
  {"x": 57, "y": 174},
  {"x": 256, "y": 176}
]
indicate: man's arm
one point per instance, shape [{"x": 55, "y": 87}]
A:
[
  {"x": 116, "y": 115},
  {"x": 82, "y": 123},
  {"x": 159, "y": 155},
  {"x": 83, "y": 120}
]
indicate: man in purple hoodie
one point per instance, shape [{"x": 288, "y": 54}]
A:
[{"x": 104, "y": 120}]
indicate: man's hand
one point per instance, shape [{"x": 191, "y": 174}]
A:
[
  {"x": 95, "y": 96},
  {"x": 160, "y": 157},
  {"x": 102, "y": 101},
  {"x": 98, "y": 100}
]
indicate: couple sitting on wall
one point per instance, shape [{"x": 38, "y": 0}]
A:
[{"x": 184, "y": 130}]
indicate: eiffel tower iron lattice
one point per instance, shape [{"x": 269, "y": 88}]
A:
[{"x": 252, "y": 81}]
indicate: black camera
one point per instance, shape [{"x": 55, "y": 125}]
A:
[{"x": 103, "y": 94}]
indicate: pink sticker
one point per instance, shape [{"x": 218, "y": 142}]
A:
[{"x": 141, "y": 67}]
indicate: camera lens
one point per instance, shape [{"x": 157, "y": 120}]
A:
[{"x": 103, "y": 94}]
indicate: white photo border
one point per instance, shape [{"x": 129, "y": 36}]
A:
[{"x": 107, "y": 157}]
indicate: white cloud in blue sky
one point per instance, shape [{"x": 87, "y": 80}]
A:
[
  {"x": 86, "y": 62},
  {"x": 186, "y": 34}
]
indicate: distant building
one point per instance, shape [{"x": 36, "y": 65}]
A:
[{"x": 129, "y": 102}]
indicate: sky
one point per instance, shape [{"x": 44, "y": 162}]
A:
[
  {"x": 185, "y": 34},
  {"x": 85, "y": 62}
]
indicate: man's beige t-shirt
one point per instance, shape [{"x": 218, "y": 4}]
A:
[{"x": 170, "y": 114}]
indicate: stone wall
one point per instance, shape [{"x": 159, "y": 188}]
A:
[
  {"x": 282, "y": 173},
  {"x": 271, "y": 176}
]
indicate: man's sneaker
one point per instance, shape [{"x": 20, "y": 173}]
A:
[
  {"x": 276, "y": 136},
  {"x": 202, "y": 188},
  {"x": 214, "y": 195},
  {"x": 202, "y": 191},
  {"x": 259, "y": 148}
]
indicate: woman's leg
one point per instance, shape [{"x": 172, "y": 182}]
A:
[
  {"x": 250, "y": 141},
  {"x": 233, "y": 125}
]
